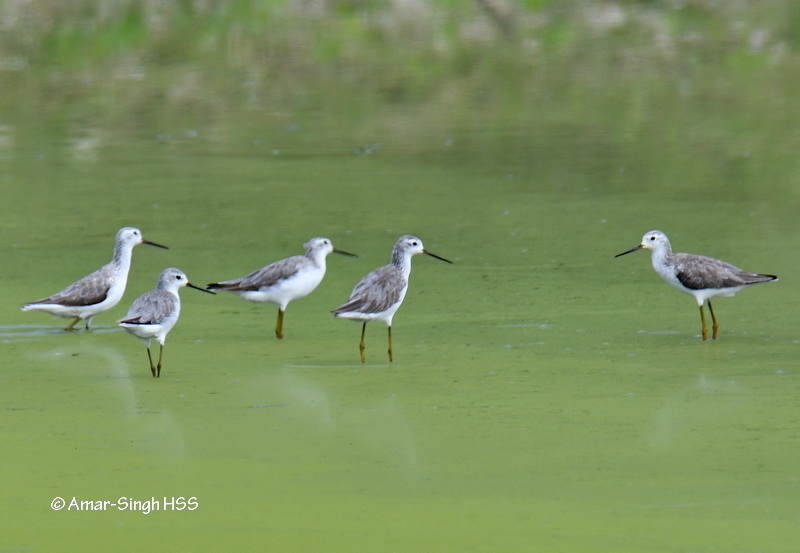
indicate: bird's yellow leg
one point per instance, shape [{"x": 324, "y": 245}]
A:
[
  {"x": 160, "y": 353},
  {"x": 150, "y": 358},
  {"x": 703, "y": 319},
  {"x": 390, "y": 345},
  {"x": 714, "y": 325},
  {"x": 70, "y": 325},
  {"x": 279, "y": 324},
  {"x": 361, "y": 346}
]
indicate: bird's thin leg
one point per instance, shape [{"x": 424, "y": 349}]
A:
[
  {"x": 714, "y": 325},
  {"x": 160, "y": 353},
  {"x": 150, "y": 358},
  {"x": 390, "y": 345},
  {"x": 70, "y": 325},
  {"x": 89, "y": 322},
  {"x": 361, "y": 346},
  {"x": 703, "y": 319},
  {"x": 279, "y": 324}
]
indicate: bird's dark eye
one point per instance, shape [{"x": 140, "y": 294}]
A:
[{"x": 652, "y": 238}]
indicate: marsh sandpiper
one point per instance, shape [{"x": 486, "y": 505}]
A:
[
  {"x": 99, "y": 291},
  {"x": 379, "y": 294},
  {"x": 285, "y": 280},
  {"x": 154, "y": 313},
  {"x": 702, "y": 277}
]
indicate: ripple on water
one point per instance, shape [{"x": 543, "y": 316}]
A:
[{"x": 12, "y": 333}]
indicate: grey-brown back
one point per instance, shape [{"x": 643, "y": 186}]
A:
[
  {"x": 90, "y": 290},
  {"x": 698, "y": 272},
  {"x": 151, "y": 308},
  {"x": 265, "y": 276},
  {"x": 376, "y": 292}
]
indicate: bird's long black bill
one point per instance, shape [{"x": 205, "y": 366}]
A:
[
  {"x": 190, "y": 285},
  {"x": 436, "y": 256},
  {"x": 344, "y": 253},
  {"x": 149, "y": 243},
  {"x": 639, "y": 247}
]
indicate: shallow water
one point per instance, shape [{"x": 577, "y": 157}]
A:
[{"x": 544, "y": 395}]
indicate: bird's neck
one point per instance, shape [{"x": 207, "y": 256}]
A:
[
  {"x": 317, "y": 258},
  {"x": 402, "y": 263},
  {"x": 661, "y": 255},
  {"x": 122, "y": 255},
  {"x": 174, "y": 291}
]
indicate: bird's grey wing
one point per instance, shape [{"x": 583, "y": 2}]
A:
[
  {"x": 275, "y": 272},
  {"x": 150, "y": 308},
  {"x": 697, "y": 272},
  {"x": 265, "y": 276},
  {"x": 91, "y": 289},
  {"x": 374, "y": 293}
]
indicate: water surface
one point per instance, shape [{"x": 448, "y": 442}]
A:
[{"x": 544, "y": 395}]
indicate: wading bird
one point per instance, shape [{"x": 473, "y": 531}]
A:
[
  {"x": 285, "y": 280},
  {"x": 702, "y": 277},
  {"x": 154, "y": 313},
  {"x": 99, "y": 291},
  {"x": 380, "y": 293}
]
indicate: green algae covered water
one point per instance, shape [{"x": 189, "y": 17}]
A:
[{"x": 544, "y": 395}]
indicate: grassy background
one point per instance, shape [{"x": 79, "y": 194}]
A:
[
  {"x": 552, "y": 394},
  {"x": 215, "y": 56}
]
